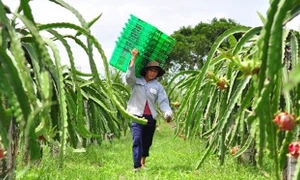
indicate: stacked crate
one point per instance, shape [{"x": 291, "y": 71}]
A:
[{"x": 151, "y": 43}]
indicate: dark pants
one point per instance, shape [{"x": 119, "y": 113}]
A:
[{"x": 142, "y": 136}]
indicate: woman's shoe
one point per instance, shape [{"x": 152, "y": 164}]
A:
[{"x": 144, "y": 167}]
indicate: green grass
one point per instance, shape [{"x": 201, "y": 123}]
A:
[{"x": 170, "y": 158}]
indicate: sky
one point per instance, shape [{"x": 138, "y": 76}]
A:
[{"x": 167, "y": 15}]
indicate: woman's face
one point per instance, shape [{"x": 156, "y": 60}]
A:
[{"x": 151, "y": 73}]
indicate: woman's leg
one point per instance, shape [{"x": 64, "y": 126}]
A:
[
  {"x": 137, "y": 146},
  {"x": 148, "y": 133},
  {"x": 143, "y": 162}
]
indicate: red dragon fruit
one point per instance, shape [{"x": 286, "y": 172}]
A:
[
  {"x": 294, "y": 149},
  {"x": 1, "y": 153},
  {"x": 234, "y": 150},
  {"x": 285, "y": 121}
]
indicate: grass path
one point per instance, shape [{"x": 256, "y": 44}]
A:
[{"x": 170, "y": 158}]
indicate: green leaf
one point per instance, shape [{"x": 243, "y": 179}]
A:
[
  {"x": 14, "y": 79},
  {"x": 4, "y": 122},
  {"x": 262, "y": 18},
  {"x": 90, "y": 23},
  {"x": 293, "y": 13},
  {"x": 27, "y": 10}
]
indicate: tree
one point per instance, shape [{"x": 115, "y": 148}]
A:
[{"x": 193, "y": 44}]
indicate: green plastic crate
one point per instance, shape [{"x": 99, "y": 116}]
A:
[
  {"x": 151, "y": 43},
  {"x": 120, "y": 58},
  {"x": 140, "y": 63}
]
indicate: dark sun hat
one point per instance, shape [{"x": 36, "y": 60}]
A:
[{"x": 152, "y": 64}]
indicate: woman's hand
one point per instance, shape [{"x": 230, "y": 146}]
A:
[
  {"x": 134, "y": 54},
  {"x": 168, "y": 116}
]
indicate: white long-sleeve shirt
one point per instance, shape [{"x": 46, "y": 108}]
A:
[{"x": 142, "y": 91}]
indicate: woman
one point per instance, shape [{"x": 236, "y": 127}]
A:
[{"x": 146, "y": 91}]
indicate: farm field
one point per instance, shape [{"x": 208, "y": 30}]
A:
[{"x": 170, "y": 158}]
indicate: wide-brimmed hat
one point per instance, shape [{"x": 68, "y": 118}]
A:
[{"x": 150, "y": 65}]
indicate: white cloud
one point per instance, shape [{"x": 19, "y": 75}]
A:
[{"x": 294, "y": 24}]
